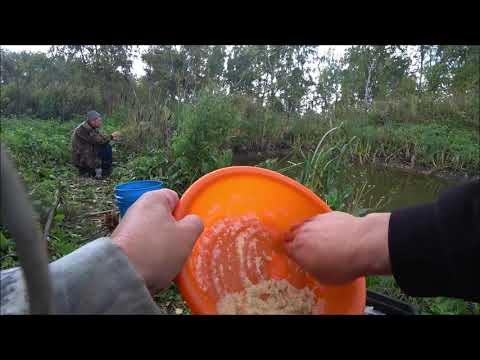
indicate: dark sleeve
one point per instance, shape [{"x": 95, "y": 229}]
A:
[
  {"x": 435, "y": 248},
  {"x": 93, "y": 137}
]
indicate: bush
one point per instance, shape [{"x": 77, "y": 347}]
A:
[
  {"x": 146, "y": 167},
  {"x": 430, "y": 145},
  {"x": 52, "y": 101},
  {"x": 37, "y": 141},
  {"x": 149, "y": 124},
  {"x": 203, "y": 138}
]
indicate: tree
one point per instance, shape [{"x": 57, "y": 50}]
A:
[
  {"x": 372, "y": 72},
  {"x": 107, "y": 63},
  {"x": 271, "y": 73},
  {"x": 243, "y": 70},
  {"x": 182, "y": 71},
  {"x": 216, "y": 56},
  {"x": 166, "y": 69},
  {"x": 328, "y": 81},
  {"x": 293, "y": 77}
]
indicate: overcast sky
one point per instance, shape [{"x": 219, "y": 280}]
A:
[{"x": 138, "y": 64}]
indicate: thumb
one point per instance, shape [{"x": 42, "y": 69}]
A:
[{"x": 191, "y": 227}]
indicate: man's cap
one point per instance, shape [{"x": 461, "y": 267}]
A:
[{"x": 92, "y": 115}]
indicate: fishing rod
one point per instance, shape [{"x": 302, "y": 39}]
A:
[{"x": 17, "y": 213}]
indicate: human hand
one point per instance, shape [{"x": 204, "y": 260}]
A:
[
  {"x": 337, "y": 248},
  {"x": 156, "y": 244},
  {"x": 116, "y": 135}
]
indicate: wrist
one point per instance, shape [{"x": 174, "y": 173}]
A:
[
  {"x": 124, "y": 244},
  {"x": 372, "y": 255}
]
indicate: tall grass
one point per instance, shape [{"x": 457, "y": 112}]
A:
[
  {"x": 325, "y": 170},
  {"x": 397, "y": 130},
  {"x": 322, "y": 169},
  {"x": 180, "y": 143},
  {"x": 432, "y": 146},
  {"x": 150, "y": 124}
]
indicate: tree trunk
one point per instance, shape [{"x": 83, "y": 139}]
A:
[
  {"x": 17, "y": 102},
  {"x": 367, "y": 83},
  {"x": 422, "y": 58},
  {"x": 108, "y": 97},
  {"x": 325, "y": 104}
]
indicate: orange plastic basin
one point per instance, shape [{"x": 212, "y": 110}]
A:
[{"x": 246, "y": 212}]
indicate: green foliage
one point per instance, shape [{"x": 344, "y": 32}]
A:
[
  {"x": 4, "y": 242},
  {"x": 153, "y": 165},
  {"x": 259, "y": 128},
  {"x": 323, "y": 169},
  {"x": 382, "y": 103},
  {"x": 149, "y": 124},
  {"x": 270, "y": 164},
  {"x": 37, "y": 141},
  {"x": 8, "y": 257},
  {"x": 170, "y": 301},
  {"x": 181, "y": 71},
  {"x": 201, "y": 143},
  {"x": 422, "y": 83},
  {"x": 428, "y": 145},
  {"x": 41, "y": 151},
  {"x": 426, "y": 306},
  {"x": 61, "y": 84}
]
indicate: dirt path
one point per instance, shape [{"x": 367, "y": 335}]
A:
[{"x": 84, "y": 200}]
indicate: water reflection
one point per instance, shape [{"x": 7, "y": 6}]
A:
[
  {"x": 391, "y": 188},
  {"x": 400, "y": 188}
]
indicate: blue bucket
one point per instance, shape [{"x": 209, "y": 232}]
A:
[{"x": 127, "y": 193}]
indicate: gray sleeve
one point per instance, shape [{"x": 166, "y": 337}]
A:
[{"x": 95, "y": 279}]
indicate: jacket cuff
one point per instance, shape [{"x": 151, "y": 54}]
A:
[
  {"x": 415, "y": 259},
  {"x": 13, "y": 292},
  {"x": 98, "y": 279}
]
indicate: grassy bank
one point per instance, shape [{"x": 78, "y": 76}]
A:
[
  {"x": 415, "y": 132},
  {"x": 215, "y": 125},
  {"x": 179, "y": 144},
  {"x": 41, "y": 152}
]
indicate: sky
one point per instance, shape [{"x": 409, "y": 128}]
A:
[{"x": 138, "y": 64}]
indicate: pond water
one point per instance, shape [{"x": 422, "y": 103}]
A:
[
  {"x": 399, "y": 188},
  {"x": 393, "y": 188}
]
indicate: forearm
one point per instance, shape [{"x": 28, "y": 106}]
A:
[
  {"x": 101, "y": 139},
  {"x": 93, "y": 137},
  {"x": 431, "y": 249},
  {"x": 372, "y": 254},
  {"x": 95, "y": 279}
]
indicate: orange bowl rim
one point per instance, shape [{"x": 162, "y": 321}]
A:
[
  {"x": 182, "y": 280},
  {"x": 209, "y": 178}
]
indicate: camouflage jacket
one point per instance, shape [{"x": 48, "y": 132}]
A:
[
  {"x": 94, "y": 279},
  {"x": 84, "y": 146}
]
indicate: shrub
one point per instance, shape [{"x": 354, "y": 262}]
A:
[{"x": 203, "y": 138}]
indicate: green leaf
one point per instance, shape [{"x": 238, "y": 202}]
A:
[{"x": 3, "y": 242}]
